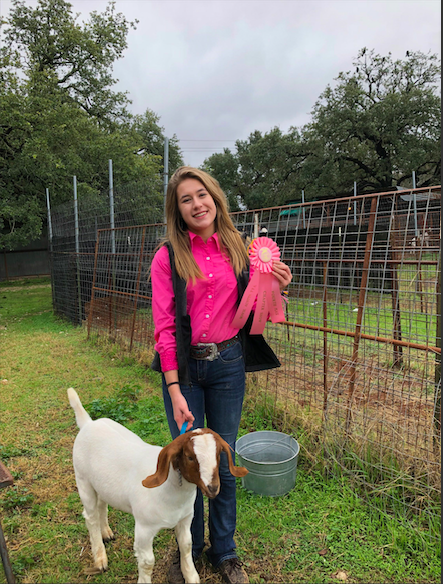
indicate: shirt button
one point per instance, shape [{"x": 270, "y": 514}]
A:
[
  {"x": 204, "y": 335},
  {"x": 207, "y": 316},
  {"x": 210, "y": 275},
  {"x": 208, "y": 258},
  {"x": 210, "y": 296}
]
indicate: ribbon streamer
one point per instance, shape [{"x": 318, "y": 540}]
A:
[{"x": 263, "y": 286}]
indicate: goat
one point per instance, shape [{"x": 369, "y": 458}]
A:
[{"x": 156, "y": 485}]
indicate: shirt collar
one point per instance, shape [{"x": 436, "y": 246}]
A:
[{"x": 194, "y": 237}]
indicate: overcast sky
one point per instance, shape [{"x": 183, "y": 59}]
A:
[{"x": 216, "y": 70}]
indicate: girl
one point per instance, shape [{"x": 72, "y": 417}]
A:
[{"x": 198, "y": 277}]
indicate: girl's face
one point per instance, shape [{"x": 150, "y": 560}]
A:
[{"x": 197, "y": 207}]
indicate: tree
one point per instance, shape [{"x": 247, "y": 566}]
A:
[
  {"x": 60, "y": 116},
  {"x": 152, "y": 138},
  {"x": 47, "y": 43},
  {"x": 44, "y": 143},
  {"x": 269, "y": 167},
  {"x": 225, "y": 167},
  {"x": 263, "y": 172},
  {"x": 377, "y": 125}
]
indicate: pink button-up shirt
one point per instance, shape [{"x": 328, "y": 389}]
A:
[{"x": 211, "y": 302}]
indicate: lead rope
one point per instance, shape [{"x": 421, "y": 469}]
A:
[{"x": 180, "y": 478}]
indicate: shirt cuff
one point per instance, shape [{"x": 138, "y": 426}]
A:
[{"x": 168, "y": 361}]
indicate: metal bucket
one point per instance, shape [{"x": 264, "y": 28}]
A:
[{"x": 271, "y": 459}]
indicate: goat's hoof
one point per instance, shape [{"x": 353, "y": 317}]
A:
[
  {"x": 108, "y": 535},
  {"x": 103, "y": 567},
  {"x": 101, "y": 562},
  {"x": 109, "y": 538},
  {"x": 94, "y": 570}
]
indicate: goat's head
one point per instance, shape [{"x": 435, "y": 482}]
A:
[{"x": 196, "y": 455}]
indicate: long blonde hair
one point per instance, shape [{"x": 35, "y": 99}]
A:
[{"x": 229, "y": 238}]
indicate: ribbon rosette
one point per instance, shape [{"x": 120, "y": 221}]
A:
[{"x": 263, "y": 286}]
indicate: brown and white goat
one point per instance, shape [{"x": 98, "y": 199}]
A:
[{"x": 156, "y": 485}]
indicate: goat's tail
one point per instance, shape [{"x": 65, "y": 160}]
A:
[{"x": 81, "y": 415}]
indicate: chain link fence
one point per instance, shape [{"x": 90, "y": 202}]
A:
[{"x": 361, "y": 345}]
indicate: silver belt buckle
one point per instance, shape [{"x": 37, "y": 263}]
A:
[{"x": 214, "y": 351}]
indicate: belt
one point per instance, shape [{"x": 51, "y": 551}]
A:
[{"x": 211, "y": 351}]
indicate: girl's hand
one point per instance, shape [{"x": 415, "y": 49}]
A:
[
  {"x": 181, "y": 411},
  {"x": 283, "y": 274}
]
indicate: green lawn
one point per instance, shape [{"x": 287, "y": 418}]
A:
[{"x": 320, "y": 532}]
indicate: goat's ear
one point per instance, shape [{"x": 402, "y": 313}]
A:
[
  {"x": 164, "y": 460},
  {"x": 236, "y": 471}
]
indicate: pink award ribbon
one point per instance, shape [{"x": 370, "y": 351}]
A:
[{"x": 263, "y": 287}]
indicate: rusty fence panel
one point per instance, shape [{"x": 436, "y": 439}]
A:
[
  {"x": 364, "y": 348},
  {"x": 361, "y": 344},
  {"x": 121, "y": 295}
]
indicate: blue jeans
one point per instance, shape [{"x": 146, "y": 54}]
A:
[{"x": 216, "y": 393}]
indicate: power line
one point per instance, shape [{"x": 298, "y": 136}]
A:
[{"x": 199, "y": 149}]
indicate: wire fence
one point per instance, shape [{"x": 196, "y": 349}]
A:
[
  {"x": 361, "y": 345},
  {"x": 74, "y": 236}
]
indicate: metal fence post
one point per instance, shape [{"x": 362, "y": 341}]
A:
[
  {"x": 137, "y": 287},
  {"x": 48, "y": 206},
  {"x": 355, "y": 203},
  {"x": 395, "y": 290},
  {"x": 437, "y": 374},
  {"x": 111, "y": 206},
  {"x": 361, "y": 307},
  {"x": 77, "y": 249},
  {"x": 303, "y": 209},
  {"x": 414, "y": 198},
  {"x": 165, "y": 174},
  {"x": 76, "y": 230},
  {"x": 112, "y": 226},
  {"x": 91, "y": 305},
  {"x": 325, "y": 337}
]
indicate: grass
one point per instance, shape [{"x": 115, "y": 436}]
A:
[
  {"x": 378, "y": 317},
  {"x": 319, "y": 532}
]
